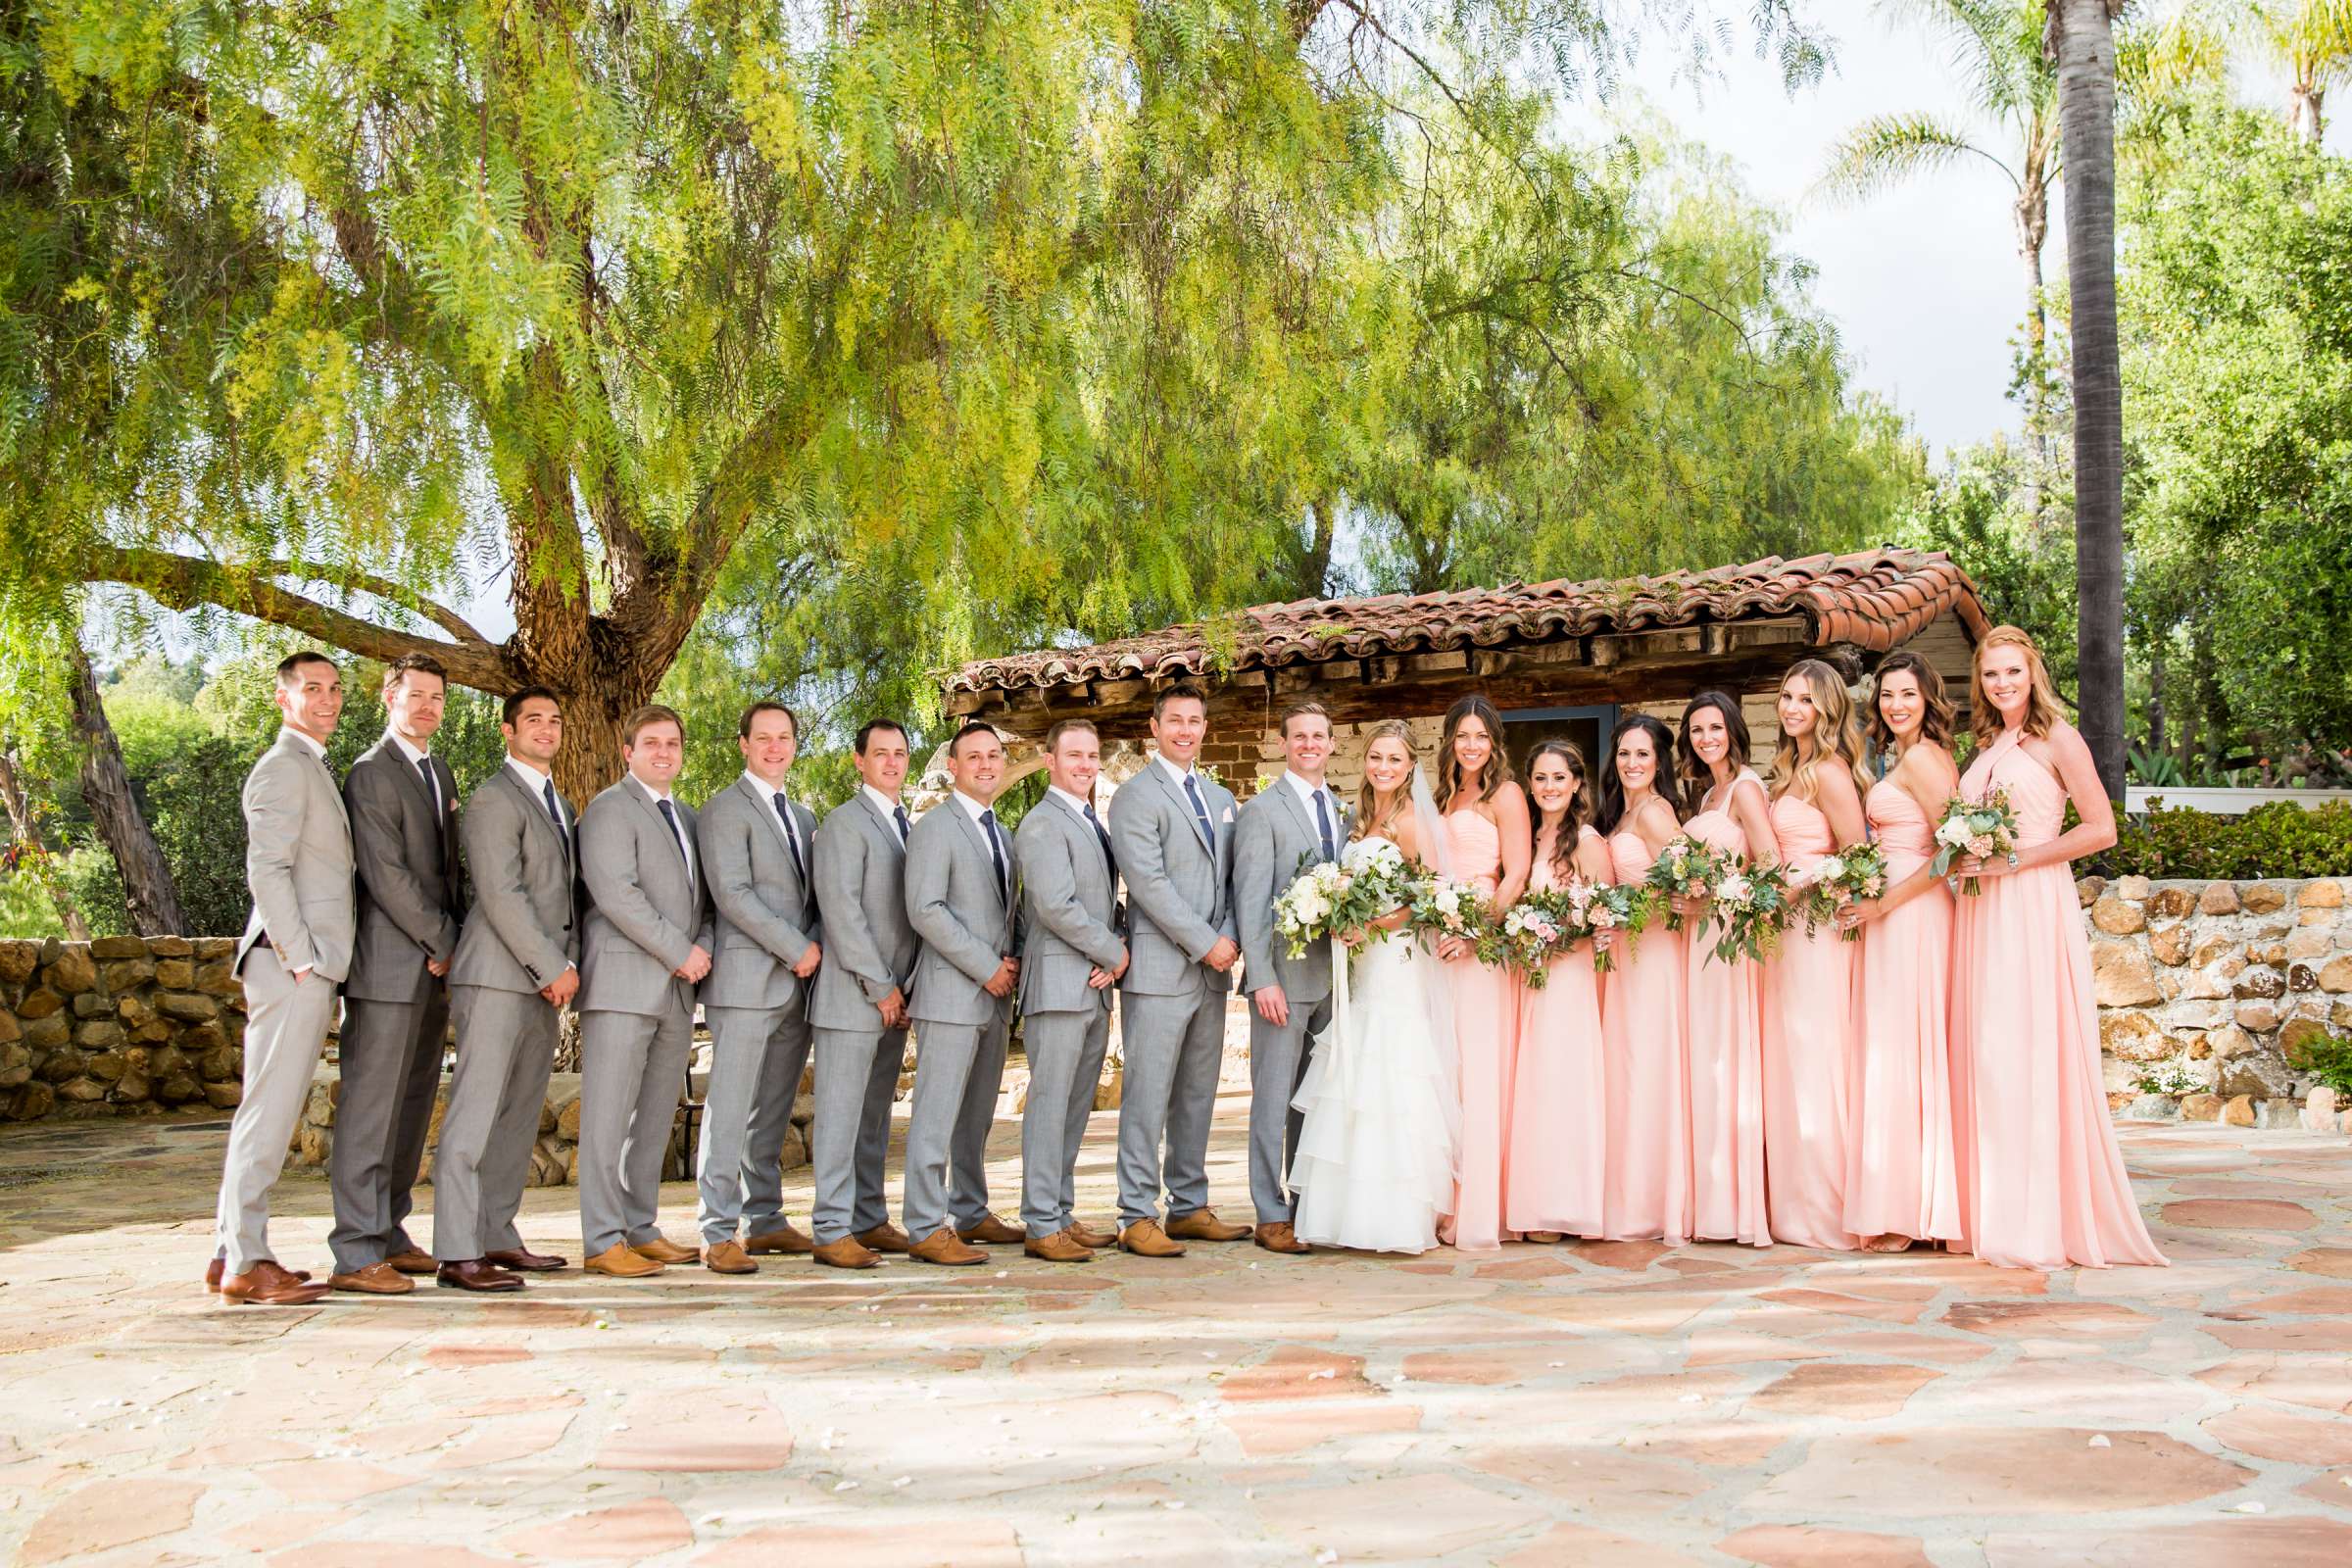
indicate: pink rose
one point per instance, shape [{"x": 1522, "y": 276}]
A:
[{"x": 1980, "y": 846}]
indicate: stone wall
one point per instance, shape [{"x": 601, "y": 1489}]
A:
[{"x": 122, "y": 1026}]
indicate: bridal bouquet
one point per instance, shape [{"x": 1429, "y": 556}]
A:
[
  {"x": 1684, "y": 867},
  {"x": 1444, "y": 907},
  {"x": 1982, "y": 828},
  {"x": 1330, "y": 897},
  {"x": 1858, "y": 873},
  {"x": 1528, "y": 937},
  {"x": 1751, "y": 908}
]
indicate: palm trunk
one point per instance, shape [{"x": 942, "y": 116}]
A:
[
  {"x": 2305, "y": 110},
  {"x": 2082, "y": 33},
  {"x": 148, "y": 890},
  {"x": 29, "y": 848},
  {"x": 2032, "y": 231}
]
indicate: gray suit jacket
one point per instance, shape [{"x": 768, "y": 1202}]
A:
[
  {"x": 298, "y": 861},
  {"x": 523, "y": 930},
  {"x": 766, "y": 913},
  {"x": 1177, "y": 900},
  {"x": 644, "y": 911},
  {"x": 966, "y": 926},
  {"x": 1071, "y": 919},
  {"x": 1272, "y": 834},
  {"x": 861, "y": 893},
  {"x": 410, "y": 896}
]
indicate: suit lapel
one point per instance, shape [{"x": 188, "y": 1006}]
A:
[
  {"x": 979, "y": 842},
  {"x": 1184, "y": 804},
  {"x": 536, "y": 804},
  {"x": 1086, "y": 844},
  {"x": 645, "y": 804},
  {"x": 882, "y": 822}
]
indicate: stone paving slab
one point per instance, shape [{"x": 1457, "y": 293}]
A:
[{"x": 1577, "y": 1404}]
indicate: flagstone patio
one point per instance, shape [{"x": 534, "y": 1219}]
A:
[{"x": 1587, "y": 1404}]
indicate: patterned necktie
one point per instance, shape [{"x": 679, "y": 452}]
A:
[
  {"x": 1109, "y": 857},
  {"x": 1331, "y": 851},
  {"x": 1209, "y": 834},
  {"x": 996, "y": 856},
  {"x": 792, "y": 840},
  {"x": 897, "y": 814}
]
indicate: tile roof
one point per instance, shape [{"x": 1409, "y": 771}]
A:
[{"x": 1875, "y": 600}]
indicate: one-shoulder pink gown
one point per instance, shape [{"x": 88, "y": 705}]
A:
[
  {"x": 1900, "y": 1176},
  {"x": 1726, "y": 1068},
  {"x": 2041, "y": 1181},
  {"x": 1646, "y": 1193},
  {"x": 1485, "y": 1010},
  {"x": 1809, "y": 1055},
  {"x": 1559, "y": 1094}
]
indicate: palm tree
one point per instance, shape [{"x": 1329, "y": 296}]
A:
[{"x": 2312, "y": 40}]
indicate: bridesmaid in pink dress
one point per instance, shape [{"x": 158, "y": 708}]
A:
[
  {"x": 1552, "y": 1180},
  {"x": 2041, "y": 1180},
  {"x": 1487, "y": 837},
  {"x": 1726, "y": 1000},
  {"x": 1809, "y": 988},
  {"x": 1645, "y": 1193},
  {"x": 1899, "y": 1183}
]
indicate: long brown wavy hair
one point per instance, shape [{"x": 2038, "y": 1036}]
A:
[
  {"x": 1836, "y": 732},
  {"x": 1491, "y": 778},
  {"x": 1936, "y": 723},
  {"x": 1365, "y": 799},
  {"x": 1698, "y": 776},
  {"x": 1580, "y": 805},
  {"x": 2043, "y": 712}
]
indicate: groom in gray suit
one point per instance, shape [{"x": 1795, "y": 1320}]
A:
[
  {"x": 961, "y": 899},
  {"x": 1292, "y": 822},
  {"x": 1172, "y": 830},
  {"x": 758, "y": 841},
  {"x": 858, "y": 1010},
  {"x": 646, "y": 947},
  {"x": 1072, "y": 955},
  {"x": 295, "y": 951}
]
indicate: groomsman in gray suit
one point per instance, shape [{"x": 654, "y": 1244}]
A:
[
  {"x": 758, "y": 842},
  {"x": 517, "y": 968},
  {"x": 295, "y": 951},
  {"x": 1294, "y": 820},
  {"x": 858, "y": 1009},
  {"x": 403, "y": 803},
  {"x": 648, "y": 946},
  {"x": 1172, "y": 830},
  {"x": 1071, "y": 958},
  {"x": 961, "y": 899}
]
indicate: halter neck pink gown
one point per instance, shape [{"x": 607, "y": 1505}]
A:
[
  {"x": 2041, "y": 1180},
  {"x": 1809, "y": 1055},
  {"x": 1559, "y": 1094},
  {"x": 1645, "y": 1193},
  {"x": 1726, "y": 1067},
  {"x": 1486, "y": 1014},
  {"x": 1899, "y": 1175}
]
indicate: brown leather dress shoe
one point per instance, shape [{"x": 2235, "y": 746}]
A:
[
  {"x": 887, "y": 1237},
  {"x": 476, "y": 1274},
  {"x": 1059, "y": 1248},
  {"x": 783, "y": 1238},
  {"x": 729, "y": 1257},
  {"x": 1202, "y": 1225},
  {"x": 662, "y": 1249},
  {"x": 412, "y": 1261},
  {"x": 1086, "y": 1234},
  {"x": 211, "y": 1274},
  {"x": 523, "y": 1260},
  {"x": 266, "y": 1285},
  {"x": 993, "y": 1232},
  {"x": 1275, "y": 1235},
  {"x": 847, "y": 1252},
  {"x": 376, "y": 1278},
  {"x": 1145, "y": 1238},
  {"x": 623, "y": 1262},
  {"x": 944, "y": 1247}
]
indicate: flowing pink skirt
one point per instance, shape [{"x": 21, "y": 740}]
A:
[
  {"x": 1486, "y": 1004},
  {"x": 1726, "y": 1099},
  {"x": 1559, "y": 1106},
  {"x": 1899, "y": 1174},
  {"x": 1808, "y": 1053},
  {"x": 2041, "y": 1181},
  {"x": 1645, "y": 1193}
]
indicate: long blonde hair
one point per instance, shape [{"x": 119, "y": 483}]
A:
[
  {"x": 2042, "y": 711},
  {"x": 1366, "y": 798},
  {"x": 1836, "y": 732}
]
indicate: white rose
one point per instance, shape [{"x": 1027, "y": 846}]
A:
[
  {"x": 1732, "y": 888},
  {"x": 1953, "y": 832},
  {"x": 1830, "y": 871}
]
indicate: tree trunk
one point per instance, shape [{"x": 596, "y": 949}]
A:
[
  {"x": 31, "y": 849},
  {"x": 2081, "y": 33},
  {"x": 148, "y": 890},
  {"x": 2305, "y": 110},
  {"x": 2032, "y": 216}
]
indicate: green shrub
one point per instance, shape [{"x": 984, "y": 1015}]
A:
[
  {"x": 2278, "y": 840},
  {"x": 2326, "y": 1061}
]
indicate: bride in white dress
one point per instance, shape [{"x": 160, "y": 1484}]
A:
[{"x": 1376, "y": 1157}]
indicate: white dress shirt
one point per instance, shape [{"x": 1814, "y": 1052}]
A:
[
  {"x": 885, "y": 805},
  {"x": 418, "y": 758},
  {"x": 680, "y": 830},
  {"x": 792, "y": 830}
]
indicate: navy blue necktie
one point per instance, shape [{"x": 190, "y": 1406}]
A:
[
  {"x": 556, "y": 812},
  {"x": 898, "y": 814},
  {"x": 669, "y": 814},
  {"x": 1209, "y": 834},
  {"x": 1108, "y": 855},
  {"x": 792, "y": 840},
  {"x": 995, "y": 855},
  {"x": 1331, "y": 851}
]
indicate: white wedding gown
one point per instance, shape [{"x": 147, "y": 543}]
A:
[{"x": 1375, "y": 1166}]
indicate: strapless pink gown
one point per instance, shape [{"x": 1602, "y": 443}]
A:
[
  {"x": 2041, "y": 1181},
  {"x": 1485, "y": 1011},
  {"x": 1645, "y": 1193},
  {"x": 1808, "y": 1057},
  {"x": 1559, "y": 1095},
  {"x": 1899, "y": 1175},
  {"x": 1727, "y": 1072}
]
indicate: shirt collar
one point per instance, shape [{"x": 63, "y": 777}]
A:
[
  {"x": 1067, "y": 798},
  {"x": 529, "y": 774},
  {"x": 1179, "y": 774},
  {"x": 971, "y": 808},
  {"x": 317, "y": 750},
  {"x": 1307, "y": 792},
  {"x": 760, "y": 786},
  {"x": 651, "y": 792},
  {"x": 882, "y": 802},
  {"x": 413, "y": 753}
]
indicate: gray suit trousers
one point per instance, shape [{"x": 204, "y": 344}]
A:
[
  {"x": 1066, "y": 1067},
  {"x": 1173, "y": 1044},
  {"x": 856, "y": 1075},
  {"x": 632, "y": 1067},
  {"x": 390, "y": 1056},
  {"x": 757, "y": 1056},
  {"x": 958, "y": 1067},
  {"x": 505, "y": 1049},
  {"x": 1278, "y": 1061},
  {"x": 285, "y": 1025}
]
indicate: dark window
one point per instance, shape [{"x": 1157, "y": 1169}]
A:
[{"x": 1593, "y": 729}]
